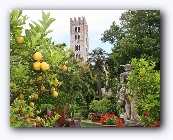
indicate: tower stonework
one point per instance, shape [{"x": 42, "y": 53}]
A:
[{"x": 79, "y": 37}]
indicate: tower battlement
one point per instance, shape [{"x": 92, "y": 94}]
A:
[
  {"x": 79, "y": 37},
  {"x": 78, "y": 20}
]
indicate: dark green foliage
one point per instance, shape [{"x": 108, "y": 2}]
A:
[
  {"x": 138, "y": 36},
  {"x": 97, "y": 59}
]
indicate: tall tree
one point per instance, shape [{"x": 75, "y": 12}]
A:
[
  {"x": 60, "y": 45},
  {"x": 79, "y": 81},
  {"x": 97, "y": 60},
  {"x": 137, "y": 36}
]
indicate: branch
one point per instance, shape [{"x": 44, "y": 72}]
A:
[{"x": 14, "y": 97}]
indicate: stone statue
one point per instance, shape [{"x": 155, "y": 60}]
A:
[
  {"x": 123, "y": 101},
  {"x": 129, "y": 115}
]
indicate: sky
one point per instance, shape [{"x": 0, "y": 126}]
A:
[{"x": 98, "y": 21}]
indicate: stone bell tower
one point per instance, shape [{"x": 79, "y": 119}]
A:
[{"x": 79, "y": 37}]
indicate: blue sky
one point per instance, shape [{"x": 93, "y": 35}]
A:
[{"x": 98, "y": 21}]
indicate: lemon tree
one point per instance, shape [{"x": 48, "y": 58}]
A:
[
  {"x": 42, "y": 73},
  {"x": 144, "y": 81},
  {"x": 34, "y": 65}
]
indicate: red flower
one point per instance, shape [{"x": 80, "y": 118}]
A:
[
  {"x": 155, "y": 125},
  {"x": 145, "y": 113},
  {"x": 158, "y": 124},
  {"x": 119, "y": 122},
  {"x": 152, "y": 125}
]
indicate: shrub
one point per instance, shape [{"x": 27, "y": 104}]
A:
[
  {"x": 144, "y": 82},
  {"x": 101, "y": 106}
]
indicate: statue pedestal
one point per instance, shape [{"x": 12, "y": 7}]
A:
[
  {"x": 122, "y": 117},
  {"x": 133, "y": 124},
  {"x": 129, "y": 123}
]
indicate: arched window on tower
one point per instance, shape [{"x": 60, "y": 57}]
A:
[
  {"x": 75, "y": 29},
  {"x": 79, "y": 48},
  {"x": 76, "y": 48},
  {"x": 78, "y": 37},
  {"x": 75, "y": 37},
  {"x": 78, "y": 29},
  {"x": 78, "y": 56}
]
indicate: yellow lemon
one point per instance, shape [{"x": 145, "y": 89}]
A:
[
  {"x": 31, "y": 114},
  {"x": 44, "y": 66},
  {"x": 21, "y": 96},
  {"x": 34, "y": 124},
  {"x": 11, "y": 84},
  {"x": 130, "y": 99},
  {"x": 38, "y": 56},
  {"x": 37, "y": 65},
  {"x": 43, "y": 88},
  {"x": 36, "y": 96},
  {"x": 23, "y": 109},
  {"x": 31, "y": 104},
  {"x": 64, "y": 68},
  {"x": 20, "y": 40},
  {"x": 40, "y": 78},
  {"x": 38, "y": 119},
  {"x": 52, "y": 89},
  {"x": 55, "y": 94},
  {"x": 56, "y": 81},
  {"x": 28, "y": 121}
]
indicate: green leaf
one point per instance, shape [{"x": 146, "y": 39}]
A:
[
  {"x": 35, "y": 32},
  {"x": 38, "y": 36},
  {"x": 28, "y": 33},
  {"x": 45, "y": 17},
  {"x": 33, "y": 38},
  {"x": 50, "y": 21},
  {"x": 49, "y": 31},
  {"x": 37, "y": 25},
  {"x": 32, "y": 27}
]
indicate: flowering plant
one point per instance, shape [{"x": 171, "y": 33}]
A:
[
  {"x": 148, "y": 121},
  {"x": 111, "y": 119}
]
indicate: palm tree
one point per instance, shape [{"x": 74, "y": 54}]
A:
[{"x": 97, "y": 60}]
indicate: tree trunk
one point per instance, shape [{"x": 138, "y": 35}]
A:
[
  {"x": 15, "y": 95},
  {"x": 99, "y": 84}
]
